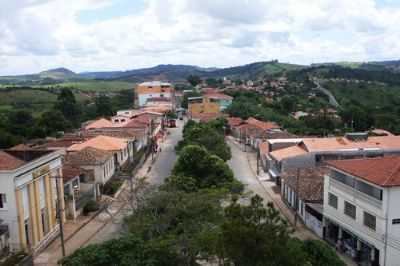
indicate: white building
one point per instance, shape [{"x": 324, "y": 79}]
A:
[
  {"x": 154, "y": 89},
  {"x": 361, "y": 212},
  {"x": 28, "y": 196}
]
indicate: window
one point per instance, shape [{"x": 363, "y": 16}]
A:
[
  {"x": 332, "y": 200},
  {"x": 396, "y": 221},
  {"x": 350, "y": 210},
  {"x": 3, "y": 201},
  {"x": 369, "y": 220}
]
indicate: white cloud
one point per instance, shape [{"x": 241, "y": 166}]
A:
[{"x": 35, "y": 35}]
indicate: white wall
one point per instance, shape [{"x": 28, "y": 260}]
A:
[{"x": 144, "y": 96}]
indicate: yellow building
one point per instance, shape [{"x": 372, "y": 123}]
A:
[
  {"x": 28, "y": 197},
  {"x": 202, "y": 105}
]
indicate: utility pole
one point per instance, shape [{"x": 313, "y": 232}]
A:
[
  {"x": 60, "y": 218},
  {"x": 258, "y": 161},
  {"x": 297, "y": 196}
]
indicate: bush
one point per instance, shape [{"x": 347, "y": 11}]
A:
[
  {"x": 90, "y": 206},
  {"x": 321, "y": 254},
  {"x": 14, "y": 259},
  {"x": 112, "y": 186}
]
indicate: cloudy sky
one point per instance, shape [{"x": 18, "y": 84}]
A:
[{"x": 91, "y": 35}]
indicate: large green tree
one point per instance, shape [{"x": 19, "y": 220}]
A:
[
  {"x": 254, "y": 235},
  {"x": 67, "y": 105},
  {"x": 104, "y": 106}
]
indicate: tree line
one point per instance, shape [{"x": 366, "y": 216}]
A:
[{"x": 64, "y": 115}]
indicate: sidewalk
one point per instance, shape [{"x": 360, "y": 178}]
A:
[
  {"x": 79, "y": 232},
  {"x": 301, "y": 231}
]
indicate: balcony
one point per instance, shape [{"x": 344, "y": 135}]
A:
[{"x": 355, "y": 193}]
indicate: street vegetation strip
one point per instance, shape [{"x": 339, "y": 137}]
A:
[{"x": 198, "y": 216}]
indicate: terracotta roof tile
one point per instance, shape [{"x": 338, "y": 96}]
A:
[
  {"x": 285, "y": 153},
  {"x": 69, "y": 172},
  {"x": 88, "y": 156},
  {"x": 100, "y": 123},
  {"x": 310, "y": 185},
  {"x": 101, "y": 142},
  {"x": 234, "y": 121},
  {"x": 9, "y": 162},
  {"x": 382, "y": 171},
  {"x": 261, "y": 124},
  {"x": 217, "y": 95}
]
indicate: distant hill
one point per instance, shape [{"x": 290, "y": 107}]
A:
[
  {"x": 58, "y": 73},
  {"x": 179, "y": 73},
  {"x": 174, "y": 73}
]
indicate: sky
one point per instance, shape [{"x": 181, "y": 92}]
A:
[{"x": 103, "y": 35}]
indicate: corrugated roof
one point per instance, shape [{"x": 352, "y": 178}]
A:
[{"x": 382, "y": 171}]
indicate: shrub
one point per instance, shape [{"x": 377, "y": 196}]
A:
[
  {"x": 111, "y": 187},
  {"x": 90, "y": 206},
  {"x": 14, "y": 259}
]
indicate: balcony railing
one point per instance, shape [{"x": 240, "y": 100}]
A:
[{"x": 355, "y": 193}]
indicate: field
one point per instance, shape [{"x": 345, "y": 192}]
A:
[
  {"x": 87, "y": 85},
  {"x": 98, "y": 85}
]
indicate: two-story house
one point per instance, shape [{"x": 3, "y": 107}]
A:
[
  {"x": 361, "y": 212},
  {"x": 29, "y": 180}
]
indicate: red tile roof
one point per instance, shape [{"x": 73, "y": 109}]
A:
[
  {"x": 288, "y": 152},
  {"x": 88, "y": 156},
  {"x": 310, "y": 185},
  {"x": 261, "y": 124},
  {"x": 382, "y": 171},
  {"x": 69, "y": 172},
  {"x": 101, "y": 142},
  {"x": 217, "y": 95},
  {"x": 9, "y": 162},
  {"x": 100, "y": 123}
]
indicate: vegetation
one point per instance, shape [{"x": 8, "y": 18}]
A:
[
  {"x": 90, "y": 206},
  {"x": 208, "y": 135},
  {"x": 112, "y": 186},
  {"x": 195, "y": 218}
]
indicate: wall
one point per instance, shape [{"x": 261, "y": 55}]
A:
[{"x": 362, "y": 204}]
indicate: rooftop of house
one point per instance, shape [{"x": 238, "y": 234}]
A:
[
  {"x": 381, "y": 132},
  {"x": 69, "y": 172},
  {"x": 155, "y": 83},
  {"x": 262, "y": 124},
  {"x": 99, "y": 123},
  {"x": 88, "y": 156},
  {"x": 101, "y": 142},
  {"x": 381, "y": 171},
  {"x": 13, "y": 159},
  {"x": 343, "y": 143},
  {"x": 288, "y": 152},
  {"x": 310, "y": 183},
  {"x": 218, "y": 95}
]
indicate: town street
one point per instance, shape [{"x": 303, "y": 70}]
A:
[
  {"x": 108, "y": 224},
  {"x": 162, "y": 167}
]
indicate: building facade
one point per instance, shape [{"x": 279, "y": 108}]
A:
[
  {"x": 154, "y": 89},
  {"x": 361, "y": 213},
  {"x": 28, "y": 192}
]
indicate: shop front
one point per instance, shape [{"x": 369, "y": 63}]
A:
[{"x": 351, "y": 245}]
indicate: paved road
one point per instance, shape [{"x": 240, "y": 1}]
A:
[
  {"x": 161, "y": 169},
  {"x": 242, "y": 171}
]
